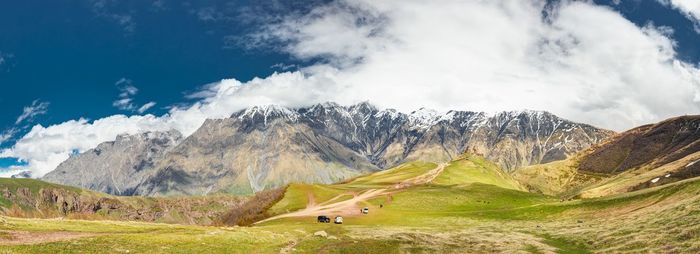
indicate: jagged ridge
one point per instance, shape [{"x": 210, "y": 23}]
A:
[{"x": 269, "y": 146}]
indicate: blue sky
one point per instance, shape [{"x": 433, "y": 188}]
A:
[
  {"x": 70, "y": 53},
  {"x": 642, "y": 12},
  {"x": 91, "y": 59}
]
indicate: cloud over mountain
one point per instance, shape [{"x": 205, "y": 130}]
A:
[{"x": 580, "y": 61}]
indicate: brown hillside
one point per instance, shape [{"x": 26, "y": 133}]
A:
[{"x": 656, "y": 144}]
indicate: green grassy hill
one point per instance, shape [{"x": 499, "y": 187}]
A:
[
  {"x": 475, "y": 169},
  {"x": 465, "y": 206}
]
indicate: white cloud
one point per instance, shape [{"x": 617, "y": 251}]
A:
[
  {"x": 124, "y": 104},
  {"x": 108, "y": 9},
  {"x": 126, "y": 88},
  {"x": 283, "y": 67},
  {"x": 43, "y": 148},
  {"x": 691, "y": 8},
  {"x": 24, "y": 120},
  {"x": 125, "y": 101},
  {"x": 5, "y": 59},
  {"x": 145, "y": 107},
  {"x": 126, "y": 91},
  {"x": 583, "y": 62},
  {"x": 7, "y": 135},
  {"x": 29, "y": 112},
  {"x": 9, "y": 172},
  {"x": 208, "y": 14}
]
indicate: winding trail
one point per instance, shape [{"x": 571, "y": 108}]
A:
[{"x": 349, "y": 207}]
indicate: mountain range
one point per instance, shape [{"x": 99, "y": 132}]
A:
[
  {"x": 644, "y": 181},
  {"x": 264, "y": 147}
]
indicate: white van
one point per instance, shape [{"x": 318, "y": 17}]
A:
[{"x": 338, "y": 220}]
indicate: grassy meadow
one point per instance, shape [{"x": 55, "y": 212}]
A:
[{"x": 471, "y": 206}]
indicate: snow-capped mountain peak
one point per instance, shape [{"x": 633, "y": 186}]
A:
[
  {"x": 424, "y": 118},
  {"x": 329, "y": 136},
  {"x": 267, "y": 112}
]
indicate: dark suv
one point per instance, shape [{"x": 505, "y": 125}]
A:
[{"x": 324, "y": 219}]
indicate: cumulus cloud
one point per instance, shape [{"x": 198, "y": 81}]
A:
[
  {"x": 29, "y": 112},
  {"x": 580, "y": 61},
  {"x": 43, "y": 148}
]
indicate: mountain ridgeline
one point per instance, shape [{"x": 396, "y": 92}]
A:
[
  {"x": 265, "y": 147},
  {"x": 644, "y": 157}
]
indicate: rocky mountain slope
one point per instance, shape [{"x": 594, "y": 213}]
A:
[
  {"x": 643, "y": 157},
  {"x": 269, "y": 146},
  {"x": 35, "y": 198},
  {"x": 116, "y": 167}
]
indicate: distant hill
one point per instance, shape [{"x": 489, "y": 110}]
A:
[
  {"x": 463, "y": 184},
  {"x": 643, "y": 157},
  {"x": 270, "y": 146},
  {"x": 39, "y": 199}
]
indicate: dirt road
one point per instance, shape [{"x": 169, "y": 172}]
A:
[
  {"x": 350, "y": 207},
  {"x": 25, "y": 237}
]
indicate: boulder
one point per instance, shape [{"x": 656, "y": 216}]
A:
[{"x": 321, "y": 233}]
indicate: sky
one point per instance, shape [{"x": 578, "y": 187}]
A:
[{"x": 76, "y": 73}]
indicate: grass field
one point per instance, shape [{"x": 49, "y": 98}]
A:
[
  {"x": 469, "y": 207},
  {"x": 474, "y": 169}
]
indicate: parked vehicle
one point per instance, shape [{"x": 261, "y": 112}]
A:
[
  {"x": 324, "y": 219},
  {"x": 365, "y": 210},
  {"x": 338, "y": 220}
]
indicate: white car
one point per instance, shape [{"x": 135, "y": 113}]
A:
[
  {"x": 338, "y": 220},
  {"x": 365, "y": 210}
]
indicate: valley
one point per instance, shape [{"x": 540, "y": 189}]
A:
[
  {"x": 467, "y": 205},
  {"x": 346, "y": 126},
  {"x": 635, "y": 192}
]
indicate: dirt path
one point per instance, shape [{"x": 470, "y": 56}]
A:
[
  {"x": 353, "y": 194},
  {"x": 349, "y": 207},
  {"x": 311, "y": 200},
  {"x": 422, "y": 179},
  {"x": 26, "y": 237}
]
